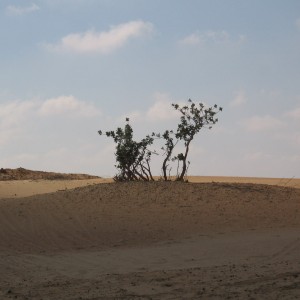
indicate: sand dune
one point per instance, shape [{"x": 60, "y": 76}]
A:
[
  {"x": 25, "y": 174},
  {"x": 286, "y": 182},
  {"x": 153, "y": 240},
  {"x": 23, "y": 188}
]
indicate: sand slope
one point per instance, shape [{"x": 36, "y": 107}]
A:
[
  {"x": 152, "y": 240},
  {"x": 25, "y": 174},
  {"x": 25, "y": 188},
  {"x": 42, "y": 185},
  {"x": 107, "y": 215}
]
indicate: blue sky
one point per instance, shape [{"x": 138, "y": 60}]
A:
[{"x": 71, "y": 67}]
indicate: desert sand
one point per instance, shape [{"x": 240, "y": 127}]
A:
[{"x": 211, "y": 238}]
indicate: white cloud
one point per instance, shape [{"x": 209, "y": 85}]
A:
[
  {"x": 193, "y": 39},
  {"x": 11, "y": 117},
  {"x": 14, "y": 10},
  {"x": 295, "y": 114},
  {"x": 15, "y": 114},
  {"x": 103, "y": 42},
  {"x": 242, "y": 38},
  {"x": 216, "y": 37},
  {"x": 161, "y": 110},
  {"x": 67, "y": 104},
  {"x": 239, "y": 99},
  {"x": 262, "y": 123}
]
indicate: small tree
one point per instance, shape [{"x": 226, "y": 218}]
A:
[
  {"x": 193, "y": 119},
  {"x": 133, "y": 158},
  {"x": 170, "y": 143}
]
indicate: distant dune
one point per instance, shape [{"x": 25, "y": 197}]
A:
[
  {"x": 211, "y": 238},
  {"x": 15, "y": 183},
  {"x": 24, "y": 174}
]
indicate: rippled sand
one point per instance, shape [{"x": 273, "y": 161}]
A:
[{"x": 215, "y": 238}]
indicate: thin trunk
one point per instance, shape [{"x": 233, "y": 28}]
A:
[
  {"x": 177, "y": 171},
  {"x": 143, "y": 168},
  {"x": 139, "y": 174},
  {"x": 184, "y": 161},
  {"x": 164, "y": 166},
  {"x": 149, "y": 170},
  {"x": 170, "y": 173}
]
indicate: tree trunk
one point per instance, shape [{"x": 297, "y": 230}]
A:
[
  {"x": 184, "y": 161},
  {"x": 164, "y": 166}
]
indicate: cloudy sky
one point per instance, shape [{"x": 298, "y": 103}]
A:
[{"x": 71, "y": 67}]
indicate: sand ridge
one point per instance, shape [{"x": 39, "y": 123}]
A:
[
  {"x": 106, "y": 215},
  {"x": 158, "y": 240},
  {"x": 25, "y": 174},
  {"x": 23, "y": 188}
]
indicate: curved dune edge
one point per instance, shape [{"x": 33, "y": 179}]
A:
[
  {"x": 25, "y": 188},
  {"x": 152, "y": 240},
  {"x": 285, "y": 182},
  {"x": 130, "y": 214}
]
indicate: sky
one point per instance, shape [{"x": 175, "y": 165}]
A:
[{"x": 69, "y": 68}]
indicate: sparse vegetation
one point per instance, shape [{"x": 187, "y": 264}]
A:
[{"x": 133, "y": 158}]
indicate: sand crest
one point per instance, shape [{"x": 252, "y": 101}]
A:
[{"x": 153, "y": 240}]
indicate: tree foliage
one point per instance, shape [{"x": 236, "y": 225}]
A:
[
  {"x": 193, "y": 119},
  {"x": 169, "y": 144},
  {"x": 133, "y": 158}
]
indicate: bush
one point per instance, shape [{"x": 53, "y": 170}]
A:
[{"x": 133, "y": 158}]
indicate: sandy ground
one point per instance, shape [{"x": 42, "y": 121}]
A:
[
  {"x": 25, "y": 188},
  {"x": 219, "y": 240},
  {"x": 285, "y": 182}
]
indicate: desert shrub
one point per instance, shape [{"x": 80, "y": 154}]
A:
[
  {"x": 170, "y": 142},
  {"x": 193, "y": 118},
  {"x": 133, "y": 158}
]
